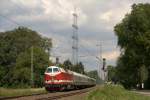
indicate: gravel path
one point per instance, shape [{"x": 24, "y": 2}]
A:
[{"x": 144, "y": 92}]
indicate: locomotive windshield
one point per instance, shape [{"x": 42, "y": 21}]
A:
[
  {"x": 55, "y": 70},
  {"x": 52, "y": 70},
  {"x": 49, "y": 70}
]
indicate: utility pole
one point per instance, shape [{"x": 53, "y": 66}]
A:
[
  {"x": 32, "y": 78},
  {"x": 49, "y": 50},
  {"x": 104, "y": 69},
  {"x": 100, "y": 59},
  {"x": 75, "y": 39},
  {"x": 57, "y": 61},
  {"x": 48, "y": 47}
]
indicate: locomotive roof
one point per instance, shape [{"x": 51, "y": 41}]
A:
[
  {"x": 53, "y": 67},
  {"x": 82, "y": 75}
]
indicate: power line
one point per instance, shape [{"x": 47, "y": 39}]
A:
[
  {"x": 87, "y": 50},
  {"x": 12, "y": 21},
  {"x": 18, "y": 6},
  {"x": 97, "y": 58}
]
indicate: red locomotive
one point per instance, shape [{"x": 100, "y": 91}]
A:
[{"x": 57, "y": 78}]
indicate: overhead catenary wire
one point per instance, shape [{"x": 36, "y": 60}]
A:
[
  {"x": 10, "y": 20},
  {"x": 16, "y": 5},
  {"x": 16, "y": 22},
  {"x": 87, "y": 50},
  {"x": 21, "y": 8},
  {"x": 54, "y": 35}
]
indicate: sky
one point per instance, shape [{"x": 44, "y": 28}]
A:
[{"x": 53, "y": 19}]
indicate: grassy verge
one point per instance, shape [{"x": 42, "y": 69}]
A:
[
  {"x": 112, "y": 92},
  {"x": 19, "y": 92}
]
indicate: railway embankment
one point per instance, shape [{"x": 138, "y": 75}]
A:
[
  {"x": 55, "y": 95},
  {"x": 115, "y": 92},
  {"x": 102, "y": 92},
  {"x": 5, "y": 92}
]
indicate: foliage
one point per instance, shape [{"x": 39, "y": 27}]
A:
[
  {"x": 111, "y": 73},
  {"x": 79, "y": 68},
  {"x": 94, "y": 74},
  {"x": 67, "y": 65},
  {"x": 22, "y": 70},
  {"x": 114, "y": 92},
  {"x": 143, "y": 72},
  {"x": 134, "y": 39},
  {"x": 15, "y": 55},
  {"x": 4, "y": 92}
]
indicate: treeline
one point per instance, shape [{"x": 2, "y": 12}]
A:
[
  {"x": 15, "y": 57},
  {"x": 133, "y": 65},
  {"x": 79, "y": 68}
]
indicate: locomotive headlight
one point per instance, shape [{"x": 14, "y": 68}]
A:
[{"x": 46, "y": 81}]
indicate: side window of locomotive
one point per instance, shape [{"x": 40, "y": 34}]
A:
[
  {"x": 49, "y": 70},
  {"x": 55, "y": 70}
]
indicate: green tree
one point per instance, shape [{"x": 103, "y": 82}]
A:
[
  {"x": 12, "y": 45},
  {"x": 67, "y": 65},
  {"x": 22, "y": 70},
  {"x": 79, "y": 68},
  {"x": 134, "y": 39},
  {"x": 143, "y": 74},
  {"x": 94, "y": 74},
  {"x": 111, "y": 72}
]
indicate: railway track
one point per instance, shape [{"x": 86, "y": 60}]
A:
[
  {"x": 63, "y": 95},
  {"x": 48, "y": 96}
]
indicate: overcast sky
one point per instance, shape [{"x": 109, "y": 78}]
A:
[{"x": 53, "y": 18}]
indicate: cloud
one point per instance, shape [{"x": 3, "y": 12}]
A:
[
  {"x": 61, "y": 10},
  {"x": 106, "y": 16},
  {"x": 112, "y": 55},
  {"x": 53, "y": 18}
]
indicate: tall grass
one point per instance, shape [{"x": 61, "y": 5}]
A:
[
  {"x": 4, "y": 92},
  {"x": 115, "y": 92}
]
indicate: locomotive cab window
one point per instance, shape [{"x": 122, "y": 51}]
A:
[
  {"x": 55, "y": 70},
  {"x": 49, "y": 70}
]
